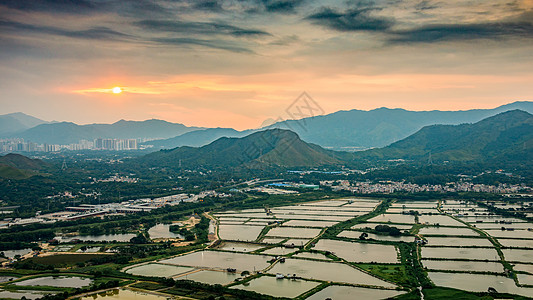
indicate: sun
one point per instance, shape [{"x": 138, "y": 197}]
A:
[{"x": 117, "y": 90}]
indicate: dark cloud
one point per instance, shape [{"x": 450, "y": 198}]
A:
[
  {"x": 104, "y": 33},
  {"x": 354, "y": 19},
  {"x": 425, "y": 5},
  {"x": 208, "y": 5},
  {"x": 135, "y": 8},
  {"x": 214, "y": 44},
  {"x": 458, "y": 32},
  {"x": 203, "y": 28},
  {"x": 282, "y": 6},
  {"x": 60, "y": 6},
  {"x": 100, "y": 33}
]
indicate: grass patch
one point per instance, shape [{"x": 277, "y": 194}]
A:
[
  {"x": 449, "y": 293},
  {"x": 151, "y": 286},
  {"x": 64, "y": 259},
  {"x": 392, "y": 273}
]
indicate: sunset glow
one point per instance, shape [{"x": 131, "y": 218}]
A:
[{"x": 212, "y": 69}]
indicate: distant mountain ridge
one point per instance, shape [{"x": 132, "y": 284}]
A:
[
  {"x": 353, "y": 129},
  {"x": 342, "y": 130},
  {"x": 17, "y": 122},
  {"x": 506, "y": 137},
  {"x": 196, "y": 138},
  {"x": 501, "y": 139},
  {"x": 383, "y": 126},
  {"x": 68, "y": 132},
  {"x": 274, "y": 147}
]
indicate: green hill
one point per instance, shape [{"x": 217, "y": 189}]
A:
[
  {"x": 22, "y": 162},
  {"x": 16, "y": 166},
  {"x": 274, "y": 147},
  {"x": 506, "y": 137}
]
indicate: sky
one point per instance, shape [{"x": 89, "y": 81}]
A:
[{"x": 238, "y": 63}]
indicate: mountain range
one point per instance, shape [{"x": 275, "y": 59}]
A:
[
  {"x": 342, "y": 130},
  {"x": 353, "y": 129},
  {"x": 68, "y": 132},
  {"x": 503, "y": 138},
  {"x": 14, "y": 123}
]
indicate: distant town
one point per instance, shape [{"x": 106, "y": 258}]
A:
[{"x": 20, "y": 145}]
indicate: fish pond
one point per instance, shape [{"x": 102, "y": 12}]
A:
[
  {"x": 338, "y": 292},
  {"x": 221, "y": 260},
  {"x": 272, "y": 286},
  {"x": 359, "y": 252},
  {"x": 56, "y": 281}
]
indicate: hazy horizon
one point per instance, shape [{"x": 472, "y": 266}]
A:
[
  {"x": 238, "y": 63},
  {"x": 261, "y": 125}
]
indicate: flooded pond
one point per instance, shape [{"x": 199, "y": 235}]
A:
[
  {"x": 458, "y": 241},
  {"x": 239, "y": 232},
  {"x": 162, "y": 231},
  {"x": 158, "y": 270},
  {"x": 279, "y": 251},
  {"x": 516, "y": 243},
  {"x": 239, "y": 247},
  {"x": 461, "y": 253},
  {"x": 442, "y": 220},
  {"x": 447, "y": 231},
  {"x": 523, "y": 268},
  {"x": 124, "y": 294},
  {"x": 280, "y": 212},
  {"x": 304, "y": 223},
  {"x": 125, "y": 237},
  {"x": 525, "y": 279},
  {"x": 296, "y": 242},
  {"x": 350, "y": 292},
  {"x": 457, "y": 265},
  {"x": 211, "y": 277},
  {"x": 356, "y": 234},
  {"x": 260, "y": 223},
  {"x": 13, "y": 253},
  {"x": 56, "y": 281},
  {"x": 373, "y": 226},
  {"x": 325, "y": 217},
  {"x": 328, "y": 271},
  {"x": 270, "y": 240},
  {"x": 518, "y": 255},
  {"x": 6, "y": 278},
  {"x": 4, "y": 294},
  {"x": 415, "y": 204},
  {"x": 393, "y": 218},
  {"x": 293, "y": 232},
  {"x": 222, "y": 260},
  {"x": 478, "y": 283},
  {"x": 420, "y": 210},
  {"x": 520, "y": 234},
  {"x": 326, "y": 203},
  {"x": 359, "y": 252},
  {"x": 311, "y": 255},
  {"x": 277, "y": 287},
  {"x": 499, "y": 226}
]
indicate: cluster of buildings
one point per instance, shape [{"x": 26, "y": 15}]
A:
[
  {"x": 392, "y": 186},
  {"x": 100, "y": 210},
  {"x": 20, "y": 145}
]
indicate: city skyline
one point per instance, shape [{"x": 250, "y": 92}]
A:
[{"x": 238, "y": 63}]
